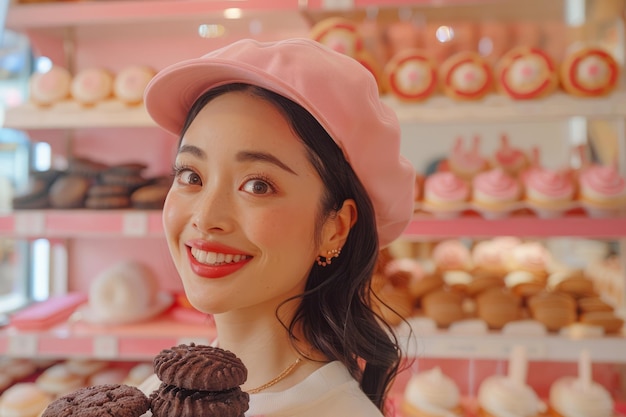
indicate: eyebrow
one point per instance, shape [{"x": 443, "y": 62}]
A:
[{"x": 244, "y": 156}]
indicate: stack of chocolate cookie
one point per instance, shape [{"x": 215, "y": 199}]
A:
[{"x": 199, "y": 381}]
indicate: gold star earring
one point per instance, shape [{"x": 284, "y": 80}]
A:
[{"x": 333, "y": 253}]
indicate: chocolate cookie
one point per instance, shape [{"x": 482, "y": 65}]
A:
[
  {"x": 199, "y": 367},
  {"x": 172, "y": 401},
  {"x": 69, "y": 191},
  {"x": 109, "y": 400}
]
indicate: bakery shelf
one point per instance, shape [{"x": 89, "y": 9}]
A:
[
  {"x": 71, "y": 115},
  {"x": 423, "y": 228},
  {"x": 440, "y": 109},
  {"x": 141, "y": 341},
  {"x": 494, "y": 345},
  {"x": 142, "y": 223},
  {"x": 81, "y": 223}
]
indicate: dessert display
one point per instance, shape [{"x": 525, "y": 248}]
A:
[
  {"x": 91, "y": 86},
  {"x": 411, "y": 75},
  {"x": 431, "y": 393},
  {"x": 495, "y": 193},
  {"x": 466, "y": 76},
  {"x": 446, "y": 195},
  {"x": 130, "y": 83},
  {"x": 589, "y": 71},
  {"x": 50, "y": 87},
  {"x": 525, "y": 73},
  {"x": 210, "y": 376},
  {"x": 580, "y": 396},
  {"x": 510, "y": 395},
  {"x": 339, "y": 34},
  {"x": 109, "y": 400}
]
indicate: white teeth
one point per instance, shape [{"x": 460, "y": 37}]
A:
[{"x": 214, "y": 258}]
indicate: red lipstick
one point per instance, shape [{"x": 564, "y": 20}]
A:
[{"x": 217, "y": 270}]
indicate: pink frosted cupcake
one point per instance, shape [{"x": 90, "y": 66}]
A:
[
  {"x": 511, "y": 160},
  {"x": 549, "y": 192},
  {"x": 496, "y": 193},
  {"x": 445, "y": 194},
  {"x": 467, "y": 163},
  {"x": 602, "y": 190}
]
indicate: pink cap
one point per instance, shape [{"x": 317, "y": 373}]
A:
[{"x": 336, "y": 89}]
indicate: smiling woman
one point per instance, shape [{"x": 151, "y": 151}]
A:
[{"x": 288, "y": 181}]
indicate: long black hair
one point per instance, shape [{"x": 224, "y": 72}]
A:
[{"x": 335, "y": 312}]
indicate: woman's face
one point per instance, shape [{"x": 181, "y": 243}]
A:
[{"x": 240, "y": 216}]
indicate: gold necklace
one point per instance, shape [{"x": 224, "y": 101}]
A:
[{"x": 284, "y": 374}]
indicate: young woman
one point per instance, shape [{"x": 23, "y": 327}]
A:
[{"x": 288, "y": 181}]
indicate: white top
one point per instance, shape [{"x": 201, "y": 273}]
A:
[{"x": 328, "y": 392}]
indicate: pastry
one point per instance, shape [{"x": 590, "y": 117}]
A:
[
  {"x": 554, "y": 310},
  {"x": 17, "y": 368},
  {"x": 605, "y": 319},
  {"x": 510, "y": 159},
  {"x": 529, "y": 256},
  {"x": 580, "y": 396},
  {"x": 451, "y": 255},
  {"x": 526, "y": 73},
  {"x": 483, "y": 281},
  {"x": 85, "y": 367},
  {"x": 495, "y": 193},
  {"x": 431, "y": 393},
  {"x": 489, "y": 256},
  {"x": 138, "y": 373},
  {"x": 593, "y": 303},
  {"x": 549, "y": 192},
  {"x": 91, "y": 86},
  {"x": 130, "y": 83},
  {"x": 112, "y": 375},
  {"x": 209, "y": 375},
  {"x": 58, "y": 380},
  {"x": 524, "y": 284},
  {"x": 339, "y": 34},
  {"x": 443, "y": 306},
  {"x": 68, "y": 192},
  {"x": 50, "y": 87},
  {"x": 466, "y": 76},
  {"x": 589, "y": 72},
  {"x": 467, "y": 163},
  {"x": 24, "y": 399},
  {"x": 602, "y": 190},
  {"x": 497, "y": 307},
  {"x": 510, "y": 395},
  {"x": 572, "y": 282},
  {"x": 149, "y": 196},
  {"x": 446, "y": 194},
  {"x": 411, "y": 75},
  {"x": 109, "y": 400}
]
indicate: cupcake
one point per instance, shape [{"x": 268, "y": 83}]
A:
[
  {"x": 432, "y": 393},
  {"x": 525, "y": 73},
  {"x": 411, "y": 75},
  {"x": 602, "y": 190},
  {"x": 466, "y": 76},
  {"x": 589, "y": 72},
  {"x": 580, "y": 396},
  {"x": 446, "y": 195},
  {"x": 467, "y": 163},
  {"x": 510, "y": 395},
  {"x": 495, "y": 193},
  {"x": 549, "y": 192},
  {"x": 508, "y": 158}
]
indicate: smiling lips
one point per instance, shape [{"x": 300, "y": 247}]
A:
[{"x": 213, "y": 264}]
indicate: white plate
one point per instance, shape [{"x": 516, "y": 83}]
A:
[{"x": 164, "y": 300}]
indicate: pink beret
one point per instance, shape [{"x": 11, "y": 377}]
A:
[{"x": 336, "y": 89}]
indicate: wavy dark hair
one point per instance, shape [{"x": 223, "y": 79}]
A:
[{"x": 335, "y": 310}]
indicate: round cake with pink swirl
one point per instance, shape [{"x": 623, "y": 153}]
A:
[
  {"x": 130, "y": 83},
  {"x": 527, "y": 73},
  {"x": 339, "y": 34},
  {"x": 411, "y": 75},
  {"x": 466, "y": 76},
  {"x": 50, "y": 87},
  {"x": 589, "y": 72},
  {"x": 602, "y": 190},
  {"x": 445, "y": 194},
  {"x": 549, "y": 192},
  {"x": 495, "y": 193},
  {"x": 92, "y": 85}
]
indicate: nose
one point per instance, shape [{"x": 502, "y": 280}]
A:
[{"x": 213, "y": 210}]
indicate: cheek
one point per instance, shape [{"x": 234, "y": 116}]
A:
[{"x": 173, "y": 217}]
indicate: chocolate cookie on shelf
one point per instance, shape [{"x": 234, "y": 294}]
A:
[{"x": 108, "y": 400}]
